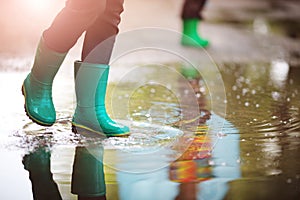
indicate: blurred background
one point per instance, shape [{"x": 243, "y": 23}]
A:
[{"x": 262, "y": 28}]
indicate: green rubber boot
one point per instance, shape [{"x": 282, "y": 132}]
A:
[
  {"x": 90, "y": 114},
  {"x": 88, "y": 175},
  {"x": 37, "y": 87},
  {"x": 190, "y": 36}
]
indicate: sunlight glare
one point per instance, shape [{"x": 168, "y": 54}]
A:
[{"x": 39, "y": 4}]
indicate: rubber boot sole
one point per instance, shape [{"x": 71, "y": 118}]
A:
[
  {"x": 194, "y": 45},
  {"x": 88, "y": 132},
  {"x": 27, "y": 113}
]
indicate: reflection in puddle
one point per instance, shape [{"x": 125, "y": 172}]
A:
[{"x": 279, "y": 72}]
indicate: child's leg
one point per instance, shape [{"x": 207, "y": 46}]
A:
[
  {"x": 191, "y": 16},
  {"x": 105, "y": 26},
  {"x": 65, "y": 30},
  {"x": 91, "y": 75},
  {"x": 192, "y": 9},
  {"x": 71, "y": 22}
]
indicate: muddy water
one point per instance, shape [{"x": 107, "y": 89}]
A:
[
  {"x": 263, "y": 102},
  {"x": 255, "y": 156}
]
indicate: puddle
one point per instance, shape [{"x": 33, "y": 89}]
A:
[{"x": 259, "y": 142}]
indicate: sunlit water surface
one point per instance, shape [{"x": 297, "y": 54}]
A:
[{"x": 255, "y": 155}]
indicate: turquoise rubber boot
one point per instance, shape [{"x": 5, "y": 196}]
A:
[
  {"x": 37, "y": 87},
  {"x": 88, "y": 175},
  {"x": 90, "y": 114},
  {"x": 190, "y": 36}
]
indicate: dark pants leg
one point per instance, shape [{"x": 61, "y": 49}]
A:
[
  {"x": 192, "y": 9},
  {"x": 98, "y": 18},
  {"x": 100, "y": 36}
]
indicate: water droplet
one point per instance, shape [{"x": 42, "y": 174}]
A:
[
  {"x": 234, "y": 88},
  {"x": 276, "y": 96},
  {"x": 247, "y": 104},
  {"x": 248, "y": 154},
  {"x": 288, "y": 99},
  {"x": 241, "y": 79},
  {"x": 254, "y": 119},
  {"x": 253, "y": 92},
  {"x": 202, "y": 89},
  {"x": 238, "y": 97},
  {"x": 245, "y": 91},
  {"x": 289, "y": 180}
]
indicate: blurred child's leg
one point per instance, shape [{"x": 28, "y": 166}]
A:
[
  {"x": 191, "y": 16},
  {"x": 192, "y": 9}
]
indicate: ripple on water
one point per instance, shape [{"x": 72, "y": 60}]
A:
[
  {"x": 278, "y": 123},
  {"x": 145, "y": 138}
]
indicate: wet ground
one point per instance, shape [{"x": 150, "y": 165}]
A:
[{"x": 255, "y": 143}]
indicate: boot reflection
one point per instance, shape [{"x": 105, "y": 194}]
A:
[
  {"x": 88, "y": 175},
  {"x": 37, "y": 163}
]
